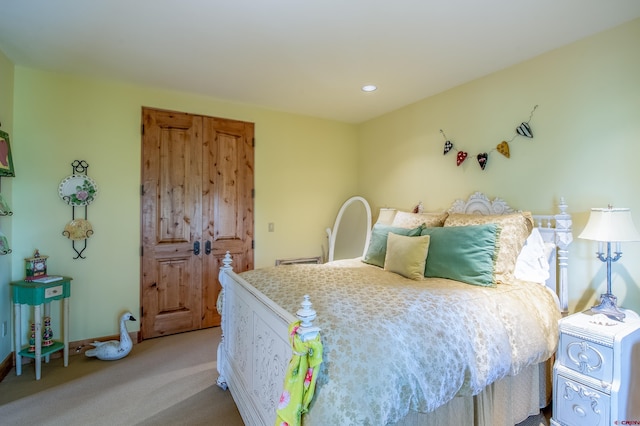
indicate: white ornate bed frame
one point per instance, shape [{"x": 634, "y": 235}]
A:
[{"x": 254, "y": 351}]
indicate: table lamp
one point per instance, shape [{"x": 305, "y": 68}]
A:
[{"x": 607, "y": 226}]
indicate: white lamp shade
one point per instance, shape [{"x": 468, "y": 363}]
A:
[{"x": 610, "y": 225}]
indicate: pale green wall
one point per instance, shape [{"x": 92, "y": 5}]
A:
[
  {"x": 586, "y": 128},
  {"x": 303, "y": 172},
  {"x": 6, "y": 122},
  {"x": 586, "y": 147}
]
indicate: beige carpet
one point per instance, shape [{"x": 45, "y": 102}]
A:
[{"x": 165, "y": 381}]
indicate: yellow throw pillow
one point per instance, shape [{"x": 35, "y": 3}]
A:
[{"x": 406, "y": 255}]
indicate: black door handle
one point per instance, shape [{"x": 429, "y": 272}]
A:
[
  {"x": 207, "y": 247},
  {"x": 196, "y": 248}
]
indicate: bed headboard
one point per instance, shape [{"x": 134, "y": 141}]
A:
[{"x": 554, "y": 228}]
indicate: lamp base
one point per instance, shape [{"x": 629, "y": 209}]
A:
[{"x": 608, "y": 307}]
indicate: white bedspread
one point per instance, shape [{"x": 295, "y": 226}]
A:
[{"x": 392, "y": 344}]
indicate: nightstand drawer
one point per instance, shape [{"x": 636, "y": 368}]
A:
[
  {"x": 589, "y": 358},
  {"x": 576, "y": 404},
  {"x": 53, "y": 292}
]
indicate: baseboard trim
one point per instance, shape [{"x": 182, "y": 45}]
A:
[{"x": 6, "y": 366}]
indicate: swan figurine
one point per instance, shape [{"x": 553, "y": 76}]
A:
[{"x": 114, "y": 349}]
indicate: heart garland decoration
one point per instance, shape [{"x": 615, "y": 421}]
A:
[
  {"x": 447, "y": 146},
  {"x": 482, "y": 160},
  {"x": 461, "y": 157},
  {"x": 503, "y": 148},
  {"x": 524, "y": 129}
]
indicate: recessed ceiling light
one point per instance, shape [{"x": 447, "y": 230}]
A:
[{"x": 369, "y": 88}]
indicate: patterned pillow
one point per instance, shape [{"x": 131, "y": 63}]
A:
[
  {"x": 407, "y": 256},
  {"x": 412, "y": 220},
  {"x": 377, "y": 249},
  {"x": 514, "y": 231}
]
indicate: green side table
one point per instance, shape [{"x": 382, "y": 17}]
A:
[{"x": 37, "y": 294}]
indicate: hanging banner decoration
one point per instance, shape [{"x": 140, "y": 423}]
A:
[
  {"x": 503, "y": 148},
  {"x": 524, "y": 129},
  {"x": 447, "y": 146},
  {"x": 461, "y": 157},
  {"x": 482, "y": 159}
]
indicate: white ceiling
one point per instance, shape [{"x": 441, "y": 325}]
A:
[{"x": 304, "y": 56}]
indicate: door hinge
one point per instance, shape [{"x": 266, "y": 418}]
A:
[
  {"x": 141, "y": 251},
  {"x": 253, "y": 244},
  {"x": 142, "y": 129},
  {"x": 141, "y": 311},
  {"x": 253, "y": 193},
  {"x": 253, "y": 142},
  {"x": 141, "y": 190}
]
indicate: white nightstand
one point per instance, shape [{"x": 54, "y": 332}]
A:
[{"x": 596, "y": 376}]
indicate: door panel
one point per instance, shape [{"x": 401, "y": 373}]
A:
[
  {"x": 228, "y": 215},
  {"x": 171, "y": 223}
]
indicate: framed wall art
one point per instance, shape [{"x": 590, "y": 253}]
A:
[{"x": 6, "y": 162}]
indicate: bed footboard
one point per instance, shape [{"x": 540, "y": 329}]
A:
[{"x": 255, "y": 351}]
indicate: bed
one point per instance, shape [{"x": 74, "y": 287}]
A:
[{"x": 464, "y": 344}]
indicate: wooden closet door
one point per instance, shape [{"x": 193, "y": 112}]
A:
[
  {"x": 227, "y": 203},
  {"x": 171, "y": 223},
  {"x": 197, "y": 186}
]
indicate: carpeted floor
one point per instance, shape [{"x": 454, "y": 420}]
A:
[{"x": 165, "y": 381}]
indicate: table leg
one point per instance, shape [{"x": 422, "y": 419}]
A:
[
  {"x": 47, "y": 313},
  {"x": 65, "y": 327},
  {"x": 38, "y": 321},
  {"x": 17, "y": 329}
]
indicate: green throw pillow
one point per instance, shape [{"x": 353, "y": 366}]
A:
[
  {"x": 463, "y": 253},
  {"x": 378, "y": 244}
]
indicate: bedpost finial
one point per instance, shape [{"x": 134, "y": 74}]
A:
[
  {"x": 306, "y": 331},
  {"x": 306, "y": 314},
  {"x": 226, "y": 261},
  {"x": 563, "y": 206},
  {"x": 226, "y": 266}
]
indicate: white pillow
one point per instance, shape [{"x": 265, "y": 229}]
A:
[
  {"x": 533, "y": 261},
  {"x": 386, "y": 216}
]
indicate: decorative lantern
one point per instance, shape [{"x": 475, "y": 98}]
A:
[{"x": 36, "y": 266}]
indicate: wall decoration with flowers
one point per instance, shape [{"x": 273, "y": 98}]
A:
[{"x": 78, "y": 190}]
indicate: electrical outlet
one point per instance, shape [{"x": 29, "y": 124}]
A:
[{"x": 271, "y": 226}]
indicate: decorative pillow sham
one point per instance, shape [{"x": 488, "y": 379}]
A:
[
  {"x": 407, "y": 256},
  {"x": 463, "y": 253},
  {"x": 386, "y": 215},
  {"x": 411, "y": 220},
  {"x": 378, "y": 244},
  {"x": 514, "y": 231}
]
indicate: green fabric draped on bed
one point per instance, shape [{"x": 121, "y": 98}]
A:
[{"x": 300, "y": 379}]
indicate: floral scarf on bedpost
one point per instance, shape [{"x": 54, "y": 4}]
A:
[{"x": 300, "y": 378}]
